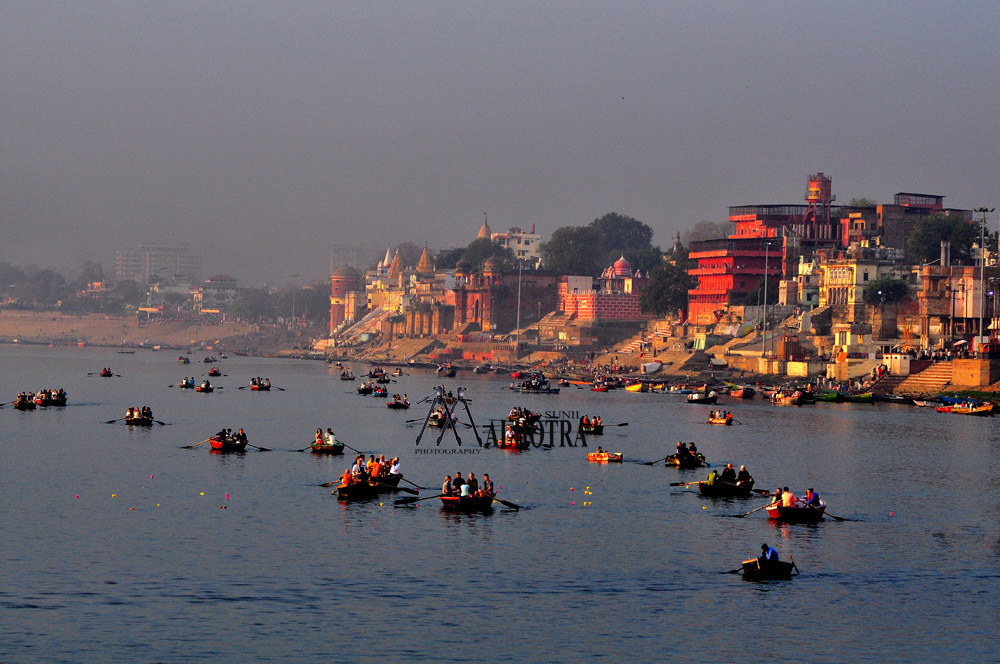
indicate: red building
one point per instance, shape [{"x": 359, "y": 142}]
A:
[{"x": 766, "y": 239}]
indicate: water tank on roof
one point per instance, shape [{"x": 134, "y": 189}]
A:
[{"x": 820, "y": 189}]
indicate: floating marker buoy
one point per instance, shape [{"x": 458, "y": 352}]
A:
[
  {"x": 114, "y": 495},
  {"x": 572, "y": 503},
  {"x": 77, "y": 495}
]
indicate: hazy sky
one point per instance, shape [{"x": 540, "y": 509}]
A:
[{"x": 262, "y": 132}]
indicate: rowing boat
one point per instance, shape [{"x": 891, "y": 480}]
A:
[
  {"x": 592, "y": 429},
  {"x": 397, "y": 405},
  {"x": 336, "y": 449},
  {"x": 719, "y": 489},
  {"x": 980, "y": 410},
  {"x": 266, "y": 387},
  {"x": 686, "y": 461},
  {"x": 711, "y": 397},
  {"x": 725, "y": 421},
  {"x": 775, "y": 570},
  {"x": 796, "y": 514},
  {"x": 140, "y": 421},
  {"x": 606, "y": 457},
  {"x": 467, "y": 503},
  {"x": 227, "y": 444}
]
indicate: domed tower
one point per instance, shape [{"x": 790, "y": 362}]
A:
[
  {"x": 344, "y": 280},
  {"x": 485, "y": 231},
  {"x": 492, "y": 271},
  {"x": 613, "y": 278}
]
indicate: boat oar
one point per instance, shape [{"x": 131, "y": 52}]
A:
[
  {"x": 160, "y": 422},
  {"x": 507, "y": 503},
  {"x": 653, "y": 463},
  {"x": 740, "y": 516},
  {"x": 278, "y": 388},
  {"x": 349, "y": 447},
  {"x": 191, "y": 447},
  {"x": 113, "y": 421},
  {"x": 685, "y": 483},
  {"x": 410, "y": 501},
  {"x": 825, "y": 513},
  {"x": 262, "y": 449},
  {"x": 734, "y": 571},
  {"x": 620, "y": 424},
  {"x": 419, "y": 419},
  {"x": 794, "y": 566},
  {"x": 399, "y": 488},
  {"x": 413, "y": 483},
  {"x": 242, "y": 387},
  {"x": 304, "y": 448}
]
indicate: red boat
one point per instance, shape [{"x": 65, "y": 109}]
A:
[
  {"x": 204, "y": 388},
  {"x": 215, "y": 371},
  {"x": 467, "y": 503},
  {"x": 518, "y": 442},
  {"x": 743, "y": 393},
  {"x": 227, "y": 444},
  {"x": 599, "y": 388},
  {"x": 605, "y": 457},
  {"x": 106, "y": 373},
  {"x": 796, "y": 514},
  {"x": 261, "y": 388}
]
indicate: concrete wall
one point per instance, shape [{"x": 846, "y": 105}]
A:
[{"x": 974, "y": 373}]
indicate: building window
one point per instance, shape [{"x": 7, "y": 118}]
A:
[{"x": 866, "y": 276}]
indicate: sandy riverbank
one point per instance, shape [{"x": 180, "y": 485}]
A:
[{"x": 105, "y": 330}]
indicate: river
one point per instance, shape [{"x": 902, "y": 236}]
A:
[{"x": 119, "y": 545}]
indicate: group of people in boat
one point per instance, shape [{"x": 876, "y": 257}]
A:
[
  {"x": 106, "y": 371},
  {"x": 730, "y": 476},
  {"x": 785, "y": 498},
  {"x": 189, "y": 382},
  {"x": 401, "y": 400},
  {"x": 688, "y": 452},
  {"x": 347, "y": 375},
  {"x": 467, "y": 487},
  {"x": 136, "y": 413},
  {"x": 590, "y": 422},
  {"x": 328, "y": 438},
  {"x": 440, "y": 416},
  {"x": 370, "y": 470},
  {"x": 260, "y": 382},
  {"x": 534, "y": 382},
  {"x": 227, "y": 434},
  {"x": 720, "y": 415},
  {"x": 41, "y": 397}
]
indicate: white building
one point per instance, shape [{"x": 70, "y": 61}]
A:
[{"x": 524, "y": 245}]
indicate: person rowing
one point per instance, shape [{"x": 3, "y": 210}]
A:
[
  {"x": 811, "y": 498},
  {"x": 728, "y": 474},
  {"x": 768, "y": 556},
  {"x": 744, "y": 477}
]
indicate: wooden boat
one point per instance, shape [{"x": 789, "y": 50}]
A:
[
  {"x": 139, "y": 421},
  {"x": 438, "y": 422},
  {"x": 530, "y": 417},
  {"x": 266, "y": 387},
  {"x": 830, "y": 396},
  {"x": 215, "y": 371},
  {"x": 367, "y": 489},
  {"x": 518, "y": 442},
  {"x": 725, "y": 421},
  {"x": 23, "y": 404},
  {"x": 383, "y": 379},
  {"x": 346, "y": 376},
  {"x": 482, "y": 369},
  {"x": 536, "y": 390},
  {"x": 184, "y": 385},
  {"x": 210, "y": 360},
  {"x": 204, "y": 388},
  {"x": 637, "y": 387},
  {"x": 397, "y": 405},
  {"x": 599, "y": 388},
  {"x": 517, "y": 374},
  {"x": 336, "y": 449},
  {"x": 787, "y": 399},
  {"x": 380, "y": 392},
  {"x": 592, "y": 429},
  {"x": 944, "y": 409},
  {"x": 894, "y": 398},
  {"x": 773, "y": 571},
  {"x": 365, "y": 389},
  {"x": 687, "y": 461},
  {"x": 980, "y": 410},
  {"x": 467, "y": 503},
  {"x": 796, "y": 514},
  {"x": 397, "y": 372},
  {"x": 227, "y": 444},
  {"x": 50, "y": 401},
  {"x": 742, "y": 393},
  {"x": 183, "y": 360},
  {"x": 106, "y": 373},
  {"x": 711, "y": 397},
  {"x": 861, "y": 397},
  {"x": 445, "y": 371},
  {"x": 719, "y": 489},
  {"x": 606, "y": 457}
]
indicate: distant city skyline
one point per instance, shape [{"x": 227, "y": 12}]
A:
[{"x": 263, "y": 134}]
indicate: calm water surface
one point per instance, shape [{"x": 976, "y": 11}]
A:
[{"x": 287, "y": 573}]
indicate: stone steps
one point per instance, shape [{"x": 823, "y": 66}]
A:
[{"x": 930, "y": 381}]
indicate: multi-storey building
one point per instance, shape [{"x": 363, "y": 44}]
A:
[{"x": 157, "y": 262}]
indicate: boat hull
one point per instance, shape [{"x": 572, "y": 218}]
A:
[
  {"x": 796, "y": 514},
  {"x": 774, "y": 571},
  {"x": 467, "y": 504},
  {"x": 597, "y": 430},
  {"x": 337, "y": 449},
  {"x": 605, "y": 457},
  {"x": 687, "y": 461},
  {"x": 139, "y": 421},
  {"x": 725, "y": 490},
  {"x": 226, "y": 444}
]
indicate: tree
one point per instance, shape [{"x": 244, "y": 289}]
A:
[
  {"x": 130, "y": 292},
  {"x": 617, "y": 232},
  {"x": 44, "y": 287},
  {"x": 573, "y": 250},
  {"x": 861, "y": 201},
  {"x": 706, "y": 230},
  {"x": 481, "y": 250},
  {"x": 89, "y": 273},
  {"x": 447, "y": 259},
  {"x": 884, "y": 291},
  {"x": 667, "y": 290},
  {"x": 924, "y": 243},
  {"x": 253, "y": 304},
  {"x": 756, "y": 296}
]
